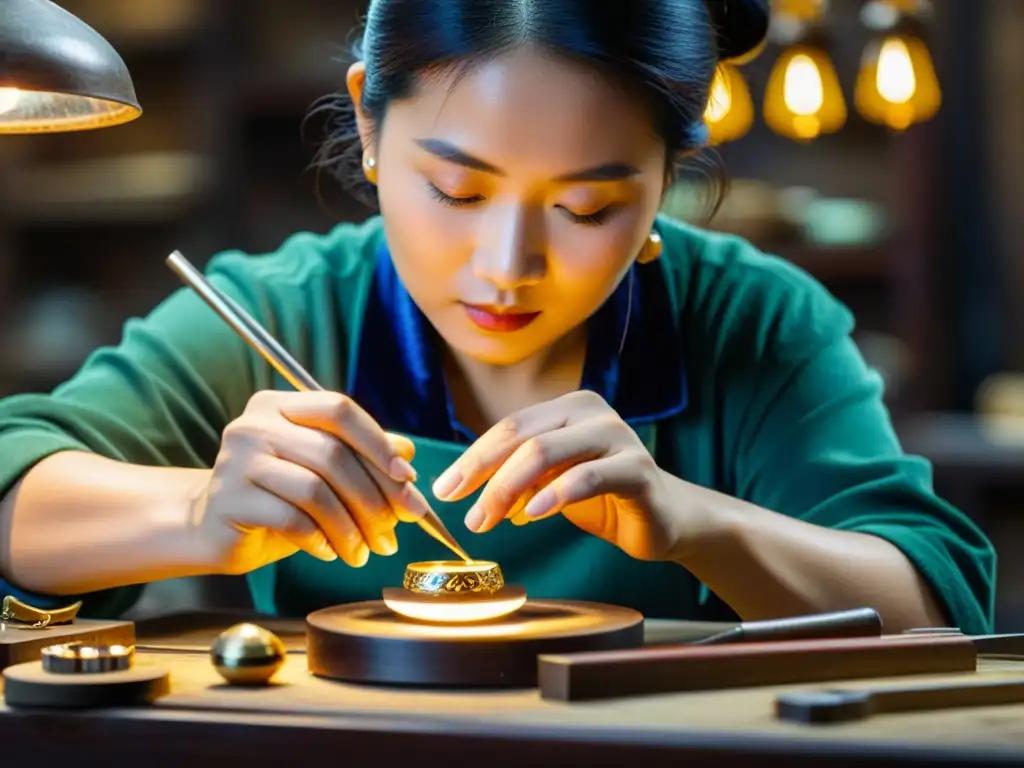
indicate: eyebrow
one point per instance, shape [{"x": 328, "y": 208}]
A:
[{"x": 452, "y": 154}]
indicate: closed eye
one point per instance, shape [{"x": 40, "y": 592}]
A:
[
  {"x": 454, "y": 202},
  {"x": 590, "y": 219}
]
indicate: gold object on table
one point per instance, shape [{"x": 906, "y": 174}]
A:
[
  {"x": 257, "y": 337},
  {"x": 445, "y": 577},
  {"x": 78, "y": 659},
  {"x": 247, "y": 654},
  {"x": 454, "y": 592},
  {"x": 17, "y": 612}
]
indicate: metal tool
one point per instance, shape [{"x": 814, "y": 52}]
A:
[
  {"x": 859, "y": 622},
  {"x": 1006, "y": 645},
  {"x": 840, "y": 706},
  {"x": 277, "y": 356}
]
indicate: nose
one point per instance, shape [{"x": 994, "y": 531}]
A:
[{"x": 511, "y": 248}]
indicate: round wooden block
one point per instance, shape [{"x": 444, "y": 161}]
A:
[
  {"x": 368, "y": 643},
  {"x": 29, "y": 685}
]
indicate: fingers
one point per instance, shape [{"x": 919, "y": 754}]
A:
[
  {"x": 309, "y": 494},
  {"x": 482, "y": 459},
  {"x": 374, "y": 500},
  {"x": 618, "y": 474},
  {"x": 342, "y": 417},
  {"x": 407, "y": 503},
  {"x": 297, "y": 530},
  {"x": 534, "y": 459},
  {"x": 402, "y": 446}
]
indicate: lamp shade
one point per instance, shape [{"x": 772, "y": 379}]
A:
[{"x": 58, "y": 74}]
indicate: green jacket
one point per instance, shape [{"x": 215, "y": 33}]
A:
[{"x": 738, "y": 371}]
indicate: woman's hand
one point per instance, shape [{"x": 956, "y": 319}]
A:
[
  {"x": 572, "y": 455},
  {"x": 310, "y": 471}
]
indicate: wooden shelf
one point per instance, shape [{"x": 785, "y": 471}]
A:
[{"x": 154, "y": 186}]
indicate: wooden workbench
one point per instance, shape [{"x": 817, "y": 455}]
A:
[{"x": 303, "y": 720}]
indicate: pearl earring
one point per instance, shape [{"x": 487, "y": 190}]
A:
[
  {"x": 370, "y": 169},
  {"x": 652, "y": 249}
]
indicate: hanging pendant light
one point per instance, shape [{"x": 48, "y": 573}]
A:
[
  {"x": 58, "y": 74},
  {"x": 803, "y": 99},
  {"x": 897, "y": 85},
  {"x": 730, "y": 110}
]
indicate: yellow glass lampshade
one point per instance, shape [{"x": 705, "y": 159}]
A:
[
  {"x": 57, "y": 73},
  {"x": 803, "y": 99},
  {"x": 730, "y": 111},
  {"x": 897, "y": 85}
]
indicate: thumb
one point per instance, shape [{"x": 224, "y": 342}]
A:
[{"x": 403, "y": 446}]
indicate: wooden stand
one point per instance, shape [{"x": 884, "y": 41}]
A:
[
  {"x": 18, "y": 645},
  {"x": 368, "y": 643},
  {"x": 29, "y": 685}
]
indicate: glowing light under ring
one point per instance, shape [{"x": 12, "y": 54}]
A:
[{"x": 465, "y": 608}]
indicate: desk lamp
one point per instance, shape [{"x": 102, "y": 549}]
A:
[{"x": 57, "y": 74}]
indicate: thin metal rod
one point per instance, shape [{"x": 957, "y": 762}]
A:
[
  {"x": 257, "y": 337},
  {"x": 244, "y": 325}
]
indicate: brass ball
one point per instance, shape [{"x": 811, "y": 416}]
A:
[{"x": 246, "y": 654}]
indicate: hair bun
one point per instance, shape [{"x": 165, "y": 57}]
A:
[{"x": 741, "y": 26}]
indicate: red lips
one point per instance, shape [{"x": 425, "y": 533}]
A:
[{"x": 495, "y": 319}]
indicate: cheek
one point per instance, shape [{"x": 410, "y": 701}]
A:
[
  {"x": 590, "y": 261},
  {"x": 428, "y": 244}
]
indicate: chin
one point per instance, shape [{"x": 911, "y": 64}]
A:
[
  {"x": 496, "y": 349},
  {"x": 495, "y": 352}
]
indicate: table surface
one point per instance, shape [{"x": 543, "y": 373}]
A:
[{"x": 303, "y": 719}]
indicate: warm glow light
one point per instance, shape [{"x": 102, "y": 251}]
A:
[
  {"x": 897, "y": 85},
  {"x": 730, "y": 111},
  {"x": 719, "y": 101},
  {"x": 804, "y": 99},
  {"x": 9, "y": 98},
  {"x": 452, "y": 566},
  {"x": 803, "y": 89},
  {"x": 895, "y": 78},
  {"x": 442, "y": 611}
]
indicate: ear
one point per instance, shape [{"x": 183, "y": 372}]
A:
[{"x": 356, "y": 80}]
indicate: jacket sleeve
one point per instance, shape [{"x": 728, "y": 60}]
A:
[
  {"x": 812, "y": 438},
  {"x": 161, "y": 397}
]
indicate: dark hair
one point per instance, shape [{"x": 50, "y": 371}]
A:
[{"x": 667, "y": 49}]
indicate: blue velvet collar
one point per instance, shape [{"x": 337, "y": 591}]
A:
[{"x": 398, "y": 377}]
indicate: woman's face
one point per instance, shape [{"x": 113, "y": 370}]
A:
[{"x": 514, "y": 199}]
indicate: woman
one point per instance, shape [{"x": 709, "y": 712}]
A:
[{"x": 667, "y": 418}]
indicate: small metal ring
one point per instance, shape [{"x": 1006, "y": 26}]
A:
[
  {"x": 444, "y": 577},
  {"x": 77, "y": 659}
]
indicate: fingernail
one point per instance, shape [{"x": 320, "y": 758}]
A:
[
  {"x": 474, "y": 518},
  {"x": 387, "y": 543},
  {"x": 362, "y": 555},
  {"x": 541, "y": 504},
  {"x": 447, "y": 483},
  {"x": 327, "y": 554},
  {"x": 401, "y": 471}
]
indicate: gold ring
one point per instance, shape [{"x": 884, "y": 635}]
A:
[
  {"x": 448, "y": 577},
  {"x": 77, "y": 659}
]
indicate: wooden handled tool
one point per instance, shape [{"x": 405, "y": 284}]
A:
[
  {"x": 646, "y": 671},
  {"x": 859, "y": 622},
  {"x": 816, "y": 707}
]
